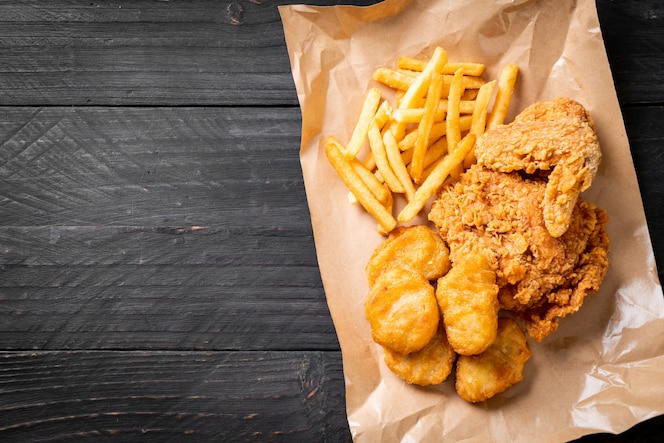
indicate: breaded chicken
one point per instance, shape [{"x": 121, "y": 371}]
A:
[
  {"x": 468, "y": 299},
  {"x": 480, "y": 377},
  {"x": 418, "y": 248},
  {"x": 556, "y": 136},
  {"x": 402, "y": 310},
  {"x": 430, "y": 365},
  {"x": 541, "y": 277}
]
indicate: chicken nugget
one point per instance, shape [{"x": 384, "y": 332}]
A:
[
  {"x": 480, "y": 377},
  {"x": 430, "y": 365},
  {"x": 468, "y": 298},
  {"x": 418, "y": 248},
  {"x": 402, "y": 310}
]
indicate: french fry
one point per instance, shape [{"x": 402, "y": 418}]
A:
[
  {"x": 419, "y": 141},
  {"x": 471, "y": 69},
  {"x": 383, "y": 114},
  {"x": 412, "y": 115},
  {"x": 420, "y": 84},
  {"x": 478, "y": 125},
  {"x": 436, "y": 179},
  {"x": 382, "y": 194},
  {"x": 506, "y": 83},
  {"x": 397, "y": 164},
  {"x": 393, "y": 79},
  {"x": 424, "y": 128},
  {"x": 359, "y": 135},
  {"x": 469, "y": 95},
  {"x": 355, "y": 184},
  {"x": 453, "y": 128},
  {"x": 408, "y": 141},
  {"x": 435, "y": 153},
  {"x": 382, "y": 162},
  {"x": 465, "y": 106},
  {"x": 412, "y": 64}
]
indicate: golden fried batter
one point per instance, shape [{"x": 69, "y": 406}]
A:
[
  {"x": 480, "y": 377},
  {"x": 429, "y": 366},
  {"x": 418, "y": 248},
  {"x": 468, "y": 298},
  {"x": 402, "y": 310},
  {"x": 541, "y": 277},
  {"x": 557, "y": 136}
]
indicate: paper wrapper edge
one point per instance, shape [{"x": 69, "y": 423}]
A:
[{"x": 595, "y": 374}]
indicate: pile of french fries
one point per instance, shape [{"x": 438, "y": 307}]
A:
[{"x": 440, "y": 108}]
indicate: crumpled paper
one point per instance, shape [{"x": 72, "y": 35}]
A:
[{"x": 603, "y": 370}]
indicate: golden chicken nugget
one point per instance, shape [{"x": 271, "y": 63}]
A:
[
  {"x": 468, "y": 299},
  {"x": 402, "y": 310},
  {"x": 480, "y": 377},
  {"x": 430, "y": 365},
  {"x": 418, "y": 248}
]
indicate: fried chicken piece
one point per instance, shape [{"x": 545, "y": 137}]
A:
[
  {"x": 418, "y": 248},
  {"x": 468, "y": 298},
  {"x": 402, "y": 310},
  {"x": 556, "y": 136},
  {"x": 541, "y": 277},
  {"x": 480, "y": 377},
  {"x": 429, "y": 366}
]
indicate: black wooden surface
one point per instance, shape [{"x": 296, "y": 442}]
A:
[{"x": 158, "y": 277}]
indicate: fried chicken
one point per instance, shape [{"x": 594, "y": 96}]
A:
[
  {"x": 417, "y": 248},
  {"x": 480, "y": 377},
  {"x": 402, "y": 310},
  {"x": 468, "y": 300},
  {"x": 541, "y": 277},
  {"x": 557, "y": 136},
  {"x": 430, "y": 365}
]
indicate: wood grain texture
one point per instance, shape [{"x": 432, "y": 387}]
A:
[
  {"x": 633, "y": 34},
  {"x": 157, "y": 228},
  {"x": 171, "y": 396},
  {"x": 145, "y": 53},
  {"x": 645, "y": 131},
  {"x": 222, "y": 53},
  {"x": 158, "y": 275}
]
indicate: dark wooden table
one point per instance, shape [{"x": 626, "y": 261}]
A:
[{"x": 158, "y": 277}]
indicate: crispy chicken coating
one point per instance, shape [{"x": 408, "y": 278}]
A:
[
  {"x": 429, "y": 366},
  {"x": 557, "y": 136},
  {"x": 468, "y": 299},
  {"x": 402, "y": 310},
  {"x": 541, "y": 277},
  {"x": 418, "y": 248},
  {"x": 480, "y": 377}
]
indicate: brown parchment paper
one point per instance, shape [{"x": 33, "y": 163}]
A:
[{"x": 603, "y": 370}]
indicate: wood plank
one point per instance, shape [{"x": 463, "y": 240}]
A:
[
  {"x": 188, "y": 396},
  {"x": 145, "y": 52},
  {"x": 151, "y": 166},
  {"x": 172, "y": 396},
  {"x": 166, "y": 53},
  {"x": 164, "y": 307},
  {"x": 157, "y": 228},
  {"x": 633, "y": 34},
  {"x": 644, "y": 130}
]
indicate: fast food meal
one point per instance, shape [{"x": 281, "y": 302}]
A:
[
  {"x": 513, "y": 246},
  {"x": 412, "y": 145}
]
